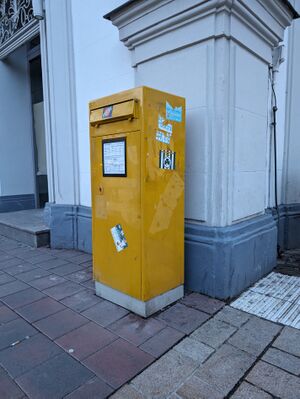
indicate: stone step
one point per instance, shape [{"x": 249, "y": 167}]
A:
[{"x": 26, "y": 226}]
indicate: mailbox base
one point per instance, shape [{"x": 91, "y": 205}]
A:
[{"x": 144, "y": 309}]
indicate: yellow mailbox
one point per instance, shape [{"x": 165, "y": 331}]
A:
[{"x": 137, "y": 170}]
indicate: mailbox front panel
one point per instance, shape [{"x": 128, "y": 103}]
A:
[{"x": 117, "y": 211}]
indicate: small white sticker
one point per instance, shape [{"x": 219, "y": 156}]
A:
[
  {"x": 163, "y": 125},
  {"x": 162, "y": 137},
  {"x": 114, "y": 157},
  {"x": 119, "y": 237},
  {"x": 173, "y": 114}
]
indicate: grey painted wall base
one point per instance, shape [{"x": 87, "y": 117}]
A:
[
  {"x": 70, "y": 226},
  {"x": 289, "y": 226},
  {"x": 219, "y": 261},
  {"x": 11, "y": 203},
  {"x": 223, "y": 261}
]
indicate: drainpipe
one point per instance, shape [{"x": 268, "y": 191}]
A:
[{"x": 277, "y": 59}]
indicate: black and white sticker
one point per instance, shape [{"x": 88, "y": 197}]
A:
[{"x": 167, "y": 159}]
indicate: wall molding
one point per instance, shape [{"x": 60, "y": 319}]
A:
[
  {"x": 19, "y": 38},
  {"x": 11, "y": 203},
  {"x": 70, "y": 226},
  {"x": 289, "y": 225},
  {"x": 223, "y": 261},
  {"x": 142, "y": 22}
]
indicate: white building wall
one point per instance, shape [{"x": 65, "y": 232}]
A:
[
  {"x": 291, "y": 178},
  {"x": 185, "y": 73},
  {"x": 250, "y": 132},
  {"x": 190, "y": 72},
  {"x": 17, "y": 168},
  {"x": 102, "y": 67}
]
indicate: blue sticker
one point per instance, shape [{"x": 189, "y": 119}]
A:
[
  {"x": 163, "y": 125},
  {"x": 163, "y": 137},
  {"x": 173, "y": 114}
]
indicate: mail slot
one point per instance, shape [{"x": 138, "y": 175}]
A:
[{"x": 137, "y": 140}]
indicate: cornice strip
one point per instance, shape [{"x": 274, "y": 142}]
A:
[
  {"x": 281, "y": 15},
  {"x": 19, "y": 38}
]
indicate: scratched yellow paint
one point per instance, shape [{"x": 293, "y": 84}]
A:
[{"x": 148, "y": 202}]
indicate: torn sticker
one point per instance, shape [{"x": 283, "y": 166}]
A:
[
  {"x": 162, "y": 137},
  {"x": 173, "y": 114},
  {"x": 119, "y": 237},
  {"x": 167, "y": 159},
  {"x": 163, "y": 125}
]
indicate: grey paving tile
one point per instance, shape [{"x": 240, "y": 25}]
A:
[
  {"x": 28, "y": 354},
  {"x": 162, "y": 341},
  {"x": 127, "y": 392},
  {"x": 88, "y": 264},
  {"x": 165, "y": 375},
  {"x": 6, "y": 315},
  {"x": 275, "y": 381},
  {"x": 23, "y": 298},
  {"x": 83, "y": 257},
  {"x": 248, "y": 391},
  {"x": 63, "y": 290},
  {"x": 19, "y": 268},
  {"x": 66, "y": 269},
  {"x": 93, "y": 389},
  {"x": 86, "y": 340},
  {"x": 197, "y": 351},
  {"x": 183, "y": 318},
  {"x": 136, "y": 329},
  {"x": 80, "y": 276},
  {"x": 40, "y": 309},
  {"x": 55, "y": 378},
  {"x": 203, "y": 303},
  {"x": 288, "y": 341},
  {"x": 33, "y": 274},
  {"x": 9, "y": 263},
  {"x": 47, "y": 282},
  {"x": 194, "y": 388},
  {"x": 4, "y": 257},
  {"x": 90, "y": 284},
  {"x": 9, "y": 389},
  {"x": 67, "y": 253},
  {"x": 15, "y": 331},
  {"x": 38, "y": 258},
  {"x": 118, "y": 362},
  {"x": 213, "y": 333},
  {"x": 233, "y": 316},
  {"x": 105, "y": 313},
  {"x": 255, "y": 335},
  {"x": 282, "y": 360},
  {"x": 6, "y": 278},
  {"x": 24, "y": 252},
  {"x": 225, "y": 368},
  {"x": 50, "y": 264},
  {"x": 12, "y": 288},
  {"x": 60, "y": 323},
  {"x": 82, "y": 300}
]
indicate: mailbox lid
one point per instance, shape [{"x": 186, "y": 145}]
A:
[{"x": 114, "y": 112}]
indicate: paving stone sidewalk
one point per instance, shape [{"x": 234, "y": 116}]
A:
[{"x": 59, "y": 340}]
